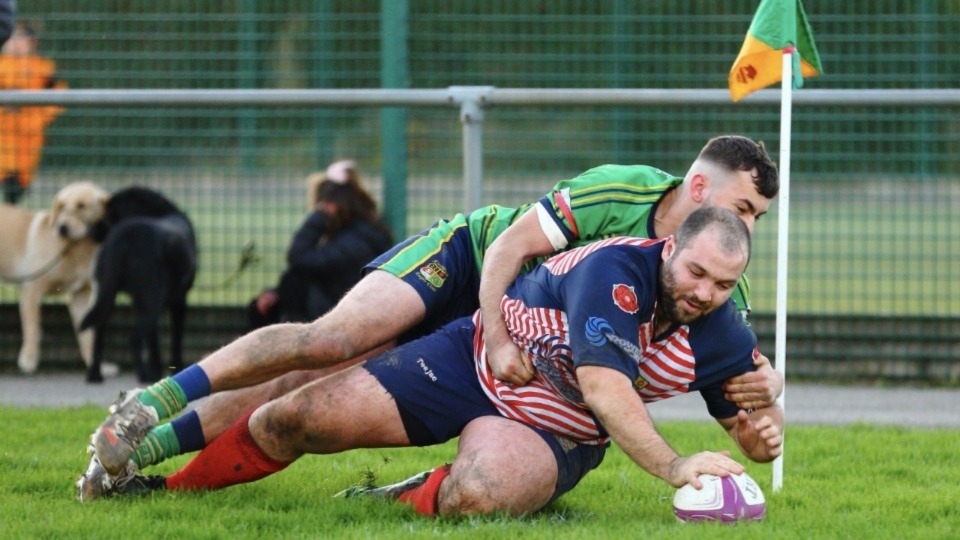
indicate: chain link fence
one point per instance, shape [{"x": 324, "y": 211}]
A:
[{"x": 875, "y": 190}]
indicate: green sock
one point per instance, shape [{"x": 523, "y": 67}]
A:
[
  {"x": 166, "y": 397},
  {"x": 161, "y": 443}
]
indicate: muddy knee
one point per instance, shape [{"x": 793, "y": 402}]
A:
[
  {"x": 471, "y": 491},
  {"x": 279, "y": 427}
]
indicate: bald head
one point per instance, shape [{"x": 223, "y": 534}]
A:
[{"x": 732, "y": 235}]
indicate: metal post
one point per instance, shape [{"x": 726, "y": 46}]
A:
[
  {"x": 471, "y": 99},
  {"x": 324, "y": 47},
  {"x": 471, "y": 115},
  {"x": 394, "y": 73}
]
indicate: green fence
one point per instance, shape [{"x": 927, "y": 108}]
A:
[{"x": 874, "y": 189}]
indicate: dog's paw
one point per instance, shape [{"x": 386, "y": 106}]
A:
[
  {"x": 27, "y": 364},
  {"x": 109, "y": 370}
]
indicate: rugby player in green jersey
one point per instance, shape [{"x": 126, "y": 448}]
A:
[{"x": 445, "y": 272}]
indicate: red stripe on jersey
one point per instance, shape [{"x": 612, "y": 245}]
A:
[
  {"x": 674, "y": 362},
  {"x": 567, "y": 212},
  {"x": 535, "y": 403},
  {"x": 668, "y": 366}
]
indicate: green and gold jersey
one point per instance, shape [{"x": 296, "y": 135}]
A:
[{"x": 606, "y": 201}]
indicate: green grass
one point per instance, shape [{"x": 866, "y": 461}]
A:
[{"x": 840, "y": 482}]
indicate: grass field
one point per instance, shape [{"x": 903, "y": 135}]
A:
[{"x": 840, "y": 482}]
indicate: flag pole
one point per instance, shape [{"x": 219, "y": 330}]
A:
[{"x": 783, "y": 231}]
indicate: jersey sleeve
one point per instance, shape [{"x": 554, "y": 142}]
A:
[
  {"x": 603, "y": 298},
  {"x": 724, "y": 347},
  {"x": 609, "y": 200},
  {"x": 741, "y": 296}
]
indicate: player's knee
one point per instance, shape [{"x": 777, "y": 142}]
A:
[
  {"x": 330, "y": 342},
  {"x": 472, "y": 494},
  {"x": 467, "y": 497},
  {"x": 283, "y": 422}
]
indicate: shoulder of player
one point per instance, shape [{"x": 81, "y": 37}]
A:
[
  {"x": 635, "y": 179},
  {"x": 630, "y": 249},
  {"x": 636, "y": 259}
]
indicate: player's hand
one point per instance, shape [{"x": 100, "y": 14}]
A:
[
  {"x": 756, "y": 389},
  {"x": 685, "y": 470},
  {"x": 760, "y": 438},
  {"x": 509, "y": 364}
]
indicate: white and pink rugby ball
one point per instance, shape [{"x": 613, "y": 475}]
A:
[{"x": 728, "y": 500}]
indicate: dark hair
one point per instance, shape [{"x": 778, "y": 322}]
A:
[
  {"x": 352, "y": 201},
  {"x": 734, "y": 234},
  {"x": 738, "y": 153}
]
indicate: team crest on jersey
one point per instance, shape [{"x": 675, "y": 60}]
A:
[
  {"x": 625, "y": 298},
  {"x": 433, "y": 273},
  {"x": 640, "y": 383}
]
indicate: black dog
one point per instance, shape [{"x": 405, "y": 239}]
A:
[{"x": 149, "y": 251}]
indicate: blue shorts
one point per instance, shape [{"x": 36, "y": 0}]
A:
[
  {"x": 434, "y": 384},
  {"x": 439, "y": 263}
]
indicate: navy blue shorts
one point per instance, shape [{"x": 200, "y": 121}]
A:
[
  {"x": 434, "y": 383},
  {"x": 440, "y": 264}
]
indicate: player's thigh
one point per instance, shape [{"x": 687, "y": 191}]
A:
[
  {"x": 346, "y": 410},
  {"x": 501, "y": 466},
  {"x": 289, "y": 382},
  {"x": 375, "y": 311}
]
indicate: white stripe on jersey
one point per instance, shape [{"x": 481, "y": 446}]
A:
[{"x": 562, "y": 263}]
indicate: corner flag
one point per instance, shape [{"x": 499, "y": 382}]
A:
[{"x": 777, "y": 25}]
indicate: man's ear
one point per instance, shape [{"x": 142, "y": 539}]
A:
[
  {"x": 698, "y": 188},
  {"x": 669, "y": 246}
]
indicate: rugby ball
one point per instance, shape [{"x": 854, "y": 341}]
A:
[{"x": 728, "y": 500}]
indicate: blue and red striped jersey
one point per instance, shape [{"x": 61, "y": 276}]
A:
[{"x": 595, "y": 305}]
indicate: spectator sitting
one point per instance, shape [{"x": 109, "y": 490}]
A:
[{"x": 342, "y": 233}]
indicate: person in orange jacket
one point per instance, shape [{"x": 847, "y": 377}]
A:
[{"x": 22, "y": 128}]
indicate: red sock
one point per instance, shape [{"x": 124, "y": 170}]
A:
[
  {"x": 423, "y": 498},
  {"x": 232, "y": 458}
]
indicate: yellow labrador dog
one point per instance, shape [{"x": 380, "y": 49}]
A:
[{"x": 49, "y": 253}]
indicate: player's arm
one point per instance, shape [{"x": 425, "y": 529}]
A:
[
  {"x": 758, "y": 434},
  {"x": 522, "y": 241},
  {"x": 612, "y": 398},
  {"x": 755, "y": 389}
]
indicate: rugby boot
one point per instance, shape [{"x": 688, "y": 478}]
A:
[
  {"x": 391, "y": 491},
  {"x": 118, "y": 436},
  {"x": 97, "y": 483}
]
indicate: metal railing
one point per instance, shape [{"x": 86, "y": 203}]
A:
[{"x": 471, "y": 101}]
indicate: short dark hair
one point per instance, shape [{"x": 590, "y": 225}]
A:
[
  {"x": 734, "y": 234},
  {"x": 738, "y": 153}
]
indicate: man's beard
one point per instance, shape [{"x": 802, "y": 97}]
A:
[{"x": 669, "y": 305}]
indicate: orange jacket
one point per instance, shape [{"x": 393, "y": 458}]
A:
[{"x": 21, "y": 128}]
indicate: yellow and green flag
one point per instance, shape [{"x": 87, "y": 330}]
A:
[{"x": 777, "y": 25}]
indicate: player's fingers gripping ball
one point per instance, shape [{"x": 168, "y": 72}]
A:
[{"x": 727, "y": 500}]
